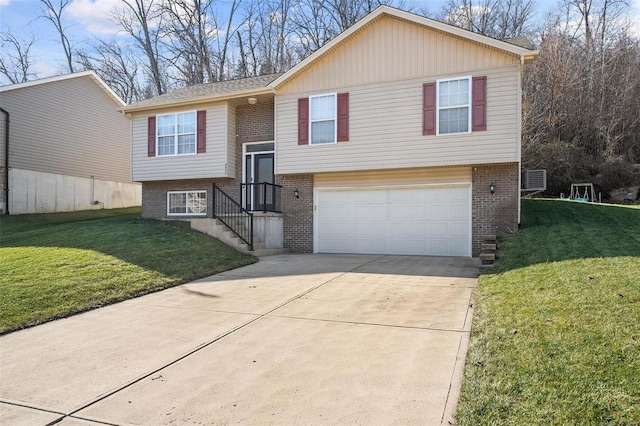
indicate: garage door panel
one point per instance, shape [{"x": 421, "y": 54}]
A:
[{"x": 417, "y": 220}]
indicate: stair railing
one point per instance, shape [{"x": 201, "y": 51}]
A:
[
  {"x": 263, "y": 196},
  {"x": 233, "y": 216}
]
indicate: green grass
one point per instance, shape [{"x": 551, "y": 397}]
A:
[
  {"x": 556, "y": 328},
  {"x": 54, "y": 265}
]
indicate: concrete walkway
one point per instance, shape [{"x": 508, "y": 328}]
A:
[{"x": 293, "y": 339}]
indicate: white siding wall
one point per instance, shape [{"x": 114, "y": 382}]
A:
[
  {"x": 70, "y": 127},
  {"x": 207, "y": 165},
  {"x": 383, "y": 68}
]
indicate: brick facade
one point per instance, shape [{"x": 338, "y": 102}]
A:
[
  {"x": 154, "y": 194},
  {"x": 298, "y": 212},
  {"x": 494, "y": 214}
]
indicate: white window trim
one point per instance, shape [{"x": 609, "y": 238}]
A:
[
  {"x": 176, "y": 134},
  {"x": 443, "y": 80},
  {"x": 186, "y": 192},
  {"x": 335, "y": 119}
]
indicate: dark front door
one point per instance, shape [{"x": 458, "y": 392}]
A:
[{"x": 259, "y": 193}]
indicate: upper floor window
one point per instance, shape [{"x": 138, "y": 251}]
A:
[
  {"x": 176, "y": 134},
  {"x": 322, "y": 118},
  {"x": 454, "y": 106}
]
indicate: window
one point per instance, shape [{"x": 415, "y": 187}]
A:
[
  {"x": 176, "y": 134},
  {"x": 187, "y": 203},
  {"x": 322, "y": 118},
  {"x": 454, "y": 106}
]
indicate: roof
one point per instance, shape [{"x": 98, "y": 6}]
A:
[
  {"x": 509, "y": 48},
  {"x": 90, "y": 74},
  {"x": 520, "y": 41},
  {"x": 208, "y": 92}
]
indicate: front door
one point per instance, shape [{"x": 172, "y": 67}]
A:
[{"x": 258, "y": 174}]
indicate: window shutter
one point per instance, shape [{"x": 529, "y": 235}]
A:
[
  {"x": 202, "y": 132},
  {"x": 429, "y": 109},
  {"x": 151, "y": 137},
  {"x": 479, "y": 104},
  {"x": 343, "y": 117},
  {"x": 303, "y": 121}
]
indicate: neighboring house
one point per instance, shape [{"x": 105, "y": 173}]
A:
[
  {"x": 400, "y": 136},
  {"x": 69, "y": 147}
]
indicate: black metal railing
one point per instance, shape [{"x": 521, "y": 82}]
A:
[
  {"x": 233, "y": 215},
  {"x": 264, "y": 197}
]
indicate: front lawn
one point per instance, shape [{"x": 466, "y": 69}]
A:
[
  {"x": 556, "y": 328},
  {"x": 54, "y": 265}
]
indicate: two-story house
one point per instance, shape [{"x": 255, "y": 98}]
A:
[
  {"x": 64, "y": 146},
  {"x": 400, "y": 136}
]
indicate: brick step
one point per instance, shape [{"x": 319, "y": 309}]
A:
[
  {"x": 486, "y": 267},
  {"x": 489, "y": 239},
  {"x": 489, "y": 248},
  {"x": 487, "y": 257}
]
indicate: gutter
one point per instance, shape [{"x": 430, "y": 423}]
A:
[
  {"x": 195, "y": 101},
  {"x": 6, "y": 160}
]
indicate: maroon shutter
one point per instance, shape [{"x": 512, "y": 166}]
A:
[
  {"x": 202, "y": 132},
  {"x": 429, "y": 109},
  {"x": 151, "y": 137},
  {"x": 343, "y": 117},
  {"x": 479, "y": 104},
  {"x": 303, "y": 121}
]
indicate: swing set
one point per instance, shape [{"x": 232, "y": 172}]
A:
[{"x": 583, "y": 192}]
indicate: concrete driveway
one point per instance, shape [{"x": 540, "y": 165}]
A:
[{"x": 293, "y": 339}]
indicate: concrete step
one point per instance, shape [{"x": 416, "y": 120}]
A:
[
  {"x": 487, "y": 257},
  {"x": 489, "y": 239},
  {"x": 267, "y": 252},
  {"x": 488, "y": 248}
]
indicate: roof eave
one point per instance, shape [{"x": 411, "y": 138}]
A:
[
  {"x": 200, "y": 100},
  {"x": 90, "y": 73}
]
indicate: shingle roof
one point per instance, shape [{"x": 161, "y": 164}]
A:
[
  {"x": 206, "y": 91},
  {"x": 520, "y": 41}
]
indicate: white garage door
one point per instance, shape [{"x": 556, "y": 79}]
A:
[{"x": 426, "y": 220}]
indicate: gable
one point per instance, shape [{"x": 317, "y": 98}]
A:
[{"x": 390, "y": 49}]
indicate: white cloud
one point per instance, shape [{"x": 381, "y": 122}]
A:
[
  {"x": 4, "y": 2},
  {"x": 94, "y": 15}
]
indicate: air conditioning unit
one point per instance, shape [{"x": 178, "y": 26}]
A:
[{"x": 535, "y": 180}]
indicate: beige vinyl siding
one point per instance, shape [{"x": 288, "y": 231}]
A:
[
  {"x": 391, "y": 49},
  {"x": 231, "y": 141},
  {"x": 210, "y": 164},
  {"x": 385, "y": 128},
  {"x": 441, "y": 175},
  {"x": 68, "y": 127}
]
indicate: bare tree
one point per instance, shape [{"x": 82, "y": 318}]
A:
[
  {"x": 142, "y": 19},
  {"x": 117, "y": 65},
  {"x": 16, "y": 59},
  {"x": 53, "y": 13},
  {"x": 495, "y": 18},
  {"x": 582, "y": 98}
]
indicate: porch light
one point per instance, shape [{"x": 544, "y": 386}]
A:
[
  {"x": 492, "y": 188},
  {"x": 252, "y": 101},
  {"x": 296, "y": 193}
]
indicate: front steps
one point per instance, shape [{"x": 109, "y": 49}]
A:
[
  {"x": 488, "y": 252},
  {"x": 217, "y": 229}
]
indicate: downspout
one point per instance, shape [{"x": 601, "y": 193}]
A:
[{"x": 6, "y": 159}]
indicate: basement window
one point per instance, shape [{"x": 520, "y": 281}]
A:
[{"x": 187, "y": 203}]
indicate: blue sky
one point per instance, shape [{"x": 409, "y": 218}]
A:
[{"x": 88, "y": 19}]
